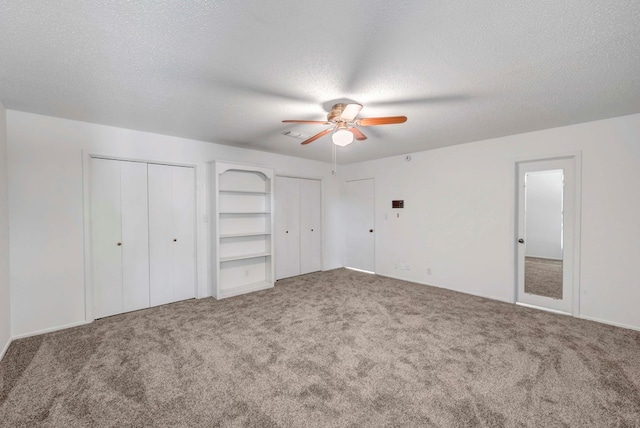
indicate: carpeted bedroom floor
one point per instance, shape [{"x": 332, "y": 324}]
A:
[
  {"x": 330, "y": 349},
  {"x": 543, "y": 277}
]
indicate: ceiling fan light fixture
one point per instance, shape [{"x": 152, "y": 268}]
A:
[{"x": 342, "y": 137}]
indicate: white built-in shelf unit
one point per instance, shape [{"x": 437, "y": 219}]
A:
[{"x": 242, "y": 246}]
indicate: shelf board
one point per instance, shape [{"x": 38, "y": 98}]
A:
[
  {"x": 250, "y": 192},
  {"x": 244, "y": 212},
  {"x": 244, "y": 256},
  {"x": 239, "y": 235}
]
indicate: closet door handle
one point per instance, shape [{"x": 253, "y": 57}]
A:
[
  {"x": 175, "y": 240},
  {"x": 312, "y": 230},
  {"x": 286, "y": 231},
  {"x": 119, "y": 244}
]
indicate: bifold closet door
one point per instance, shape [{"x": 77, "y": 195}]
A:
[
  {"x": 119, "y": 236},
  {"x": 310, "y": 226},
  {"x": 287, "y": 227},
  {"x": 171, "y": 233}
]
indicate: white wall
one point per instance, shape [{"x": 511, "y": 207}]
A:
[
  {"x": 460, "y": 214},
  {"x": 46, "y": 207},
  {"x": 543, "y": 225},
  {"x": 5, "y": 316}
]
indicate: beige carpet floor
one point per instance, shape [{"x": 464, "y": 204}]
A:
[
  {"x": 331, "y": 349},
  {"x": 543, "y": 277}
]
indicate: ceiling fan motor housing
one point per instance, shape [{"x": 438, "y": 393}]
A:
[{"x": 336, "y": 112}]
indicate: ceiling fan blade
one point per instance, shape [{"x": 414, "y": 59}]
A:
[
  {"x": 319, "y": 122},
  {"x": 351, "y": 111},
  {"x": 373, "y": 121},
  {"x": 318, "y": 135},
  {"x": 357, "y": 134}
]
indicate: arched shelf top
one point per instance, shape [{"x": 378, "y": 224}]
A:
[
  {"x": 223, "y": 167},
  {"x": 240, "y": 180}
]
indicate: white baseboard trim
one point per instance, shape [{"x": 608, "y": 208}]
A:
[
  {"x": 360, "y": 270},
  {"x": 249, "y": 288},
  {"x": 542, "y": 308},
  {"x": 485, "y": 296},
  {"x": 613, "y": 323},
  {"x": 49, "y": 330},
  {"x": 6, "y": 347}
]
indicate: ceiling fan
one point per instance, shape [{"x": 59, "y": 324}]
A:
[{"x": 342, "y": 117}]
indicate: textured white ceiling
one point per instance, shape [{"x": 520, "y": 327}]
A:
[{"x": 229, "y": 71}]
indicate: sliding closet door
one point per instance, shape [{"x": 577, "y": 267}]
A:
[
  {"x": 171, "y": 233},
  {"x": 287, "y": 227},
  {"x": 135, "y": 236},
  {"x": 184, "y": 229},
  {"x": 120, "y": 263},
  {"x": 310, "y": 226}
]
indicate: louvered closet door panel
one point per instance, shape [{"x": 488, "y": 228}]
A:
[
  {"x": 160, "y": 234},
  {"x": 184, "y": 253},
  {"x": 135, "y": 236},
  {"x": 287, "y": 227},
  {"x": 310, "y": 226},
  {"x": 106, "y": 254}
]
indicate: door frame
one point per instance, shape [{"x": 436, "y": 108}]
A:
[
  {"x": 89, "y": 304},
  {"x": 576, "y": 158},
  {"x": 344, "y": 263}
]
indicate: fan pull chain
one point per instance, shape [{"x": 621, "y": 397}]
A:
[{"x": 333, "y": 159}]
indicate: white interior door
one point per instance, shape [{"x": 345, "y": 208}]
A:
[
  {"x": 184, "y": 243},
  {"x": 135, "y": 236},
  {"x": 171, "y": 233},
  {"x": 160, "y": 234},
  {"x": 359, "y": 225},
  {"x": 310, "y": 226},
  {"x": 120, "y": 259},
  {"x": 287, "y": 227},
  {"x": 106, "y": 237},
  {"x": 546, "y": 234}
]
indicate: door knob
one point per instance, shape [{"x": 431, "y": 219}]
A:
[
  {"x": 371, "y": 230},
  {"x": 119, "y": 244},
  {"x": 286, "y": 231},
  {"x": 521, "y": 241},
  {"x": 175, "y": 240},
  {"x": 312, "y": 230}
]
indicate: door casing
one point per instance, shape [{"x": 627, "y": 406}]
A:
[{"x": 572, "y": 196}]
